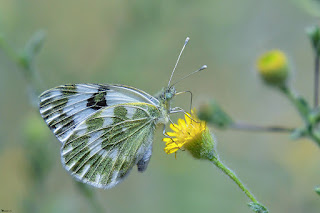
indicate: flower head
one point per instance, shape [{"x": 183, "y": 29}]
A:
[
  {"x": 190, "y": 134},
  {"x": 214, "y": 114},
  {"x": 273, "y": 67}
]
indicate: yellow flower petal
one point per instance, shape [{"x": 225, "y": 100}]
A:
[
  {"x": 172, "y": 134},
  {"x": 185, "y": 131},
  {"x": 170, "y": 150},
  {"x": 166, "y": 140},
  {"x": 181, "y": 123},
  {"x": 187, "y": 118},
  {"x": 174, "y": 127}
]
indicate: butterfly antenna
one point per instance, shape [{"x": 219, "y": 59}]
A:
[
  {"x": 175, "y": 66},
  {"x": 198, "y": 70}
]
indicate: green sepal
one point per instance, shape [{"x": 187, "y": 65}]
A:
[
  {"x": 202, "y": 146},
  {"x": 214, "y": 114},
  {"x": 257, "y": 207}
]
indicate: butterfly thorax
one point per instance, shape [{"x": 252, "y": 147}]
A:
[{"x": 165, "y": 96}]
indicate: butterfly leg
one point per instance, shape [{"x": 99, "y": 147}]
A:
[
  {"x": 179, "y": 109},
  {"x": 164, "y": 132},
  {"x": 183, "y": 92}
]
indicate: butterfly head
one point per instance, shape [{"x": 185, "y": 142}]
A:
[
  {"x": 166, "y": 95},
  {"x": 169, "y": 93}
]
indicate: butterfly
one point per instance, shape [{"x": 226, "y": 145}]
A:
[{"x": 105, "y": 129}]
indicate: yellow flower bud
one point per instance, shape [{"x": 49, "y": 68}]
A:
[{"x": 273, "y": 67}]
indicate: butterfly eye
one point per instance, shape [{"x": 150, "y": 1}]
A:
[
  {"x": 170, "y": 92},
  {"x": 169, "y": 95}
]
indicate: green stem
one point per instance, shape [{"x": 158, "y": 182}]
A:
[
  {"x": 299, "y": 104},
  {"x": 9, "y": 51},
  {"x": 304, "y": 111},
  {"x": 95, "y": 204},
  {"x": 233, "y": 177}
]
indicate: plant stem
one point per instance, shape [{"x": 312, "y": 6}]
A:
[
  {"x": 233, "y": 177},
  {"x": 256, "y": 128},
  {"x": 7, "y": 49},
  {"x": 300, "y": 105},
  {"x": 316, "y": 80}
]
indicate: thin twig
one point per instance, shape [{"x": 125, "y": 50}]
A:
[{"x": 256, "y": 128}]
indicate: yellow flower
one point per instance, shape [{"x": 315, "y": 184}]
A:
[
  {"x": 190, "y": 134},
  {"x": 273, "y": 67},
  {"x": 193, "y": 135}
]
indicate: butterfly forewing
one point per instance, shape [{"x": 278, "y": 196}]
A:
[
  {"x": 65, "y": 107},
  {"x": 103, "y": 148}
]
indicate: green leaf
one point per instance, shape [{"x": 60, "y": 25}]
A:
[
  {"x": 35, "y": 44},
  {"x": 314, "y": 35},
  {"x": 303, "y": 104},
  {"x": 314, "y": 116},
  {"x": 257, "y": 207},
  {"x": 31, "y": 49},
  {"x": 299, "y": 102},
  {"x": 317, "y": 189}
]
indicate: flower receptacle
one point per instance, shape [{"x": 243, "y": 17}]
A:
[{"x": 202, "y": 146}]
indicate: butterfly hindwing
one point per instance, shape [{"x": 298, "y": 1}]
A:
[
  {"x": 103, "y": 148},
  {"x": 65, "y": 107}
]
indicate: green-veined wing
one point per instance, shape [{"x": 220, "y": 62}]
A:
[
  {"x": 66, "y": 106},
  {"x": 102, "y": 149}
]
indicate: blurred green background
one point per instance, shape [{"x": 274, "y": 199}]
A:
[{"x": 137, "y": 43}]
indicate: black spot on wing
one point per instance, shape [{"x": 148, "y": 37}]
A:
[{"x": 98, "y": 99}]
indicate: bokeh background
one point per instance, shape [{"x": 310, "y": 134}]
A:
[{"x": 137, "y": 43}]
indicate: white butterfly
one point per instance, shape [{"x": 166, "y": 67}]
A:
[{"x": 106, "y": 129}]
